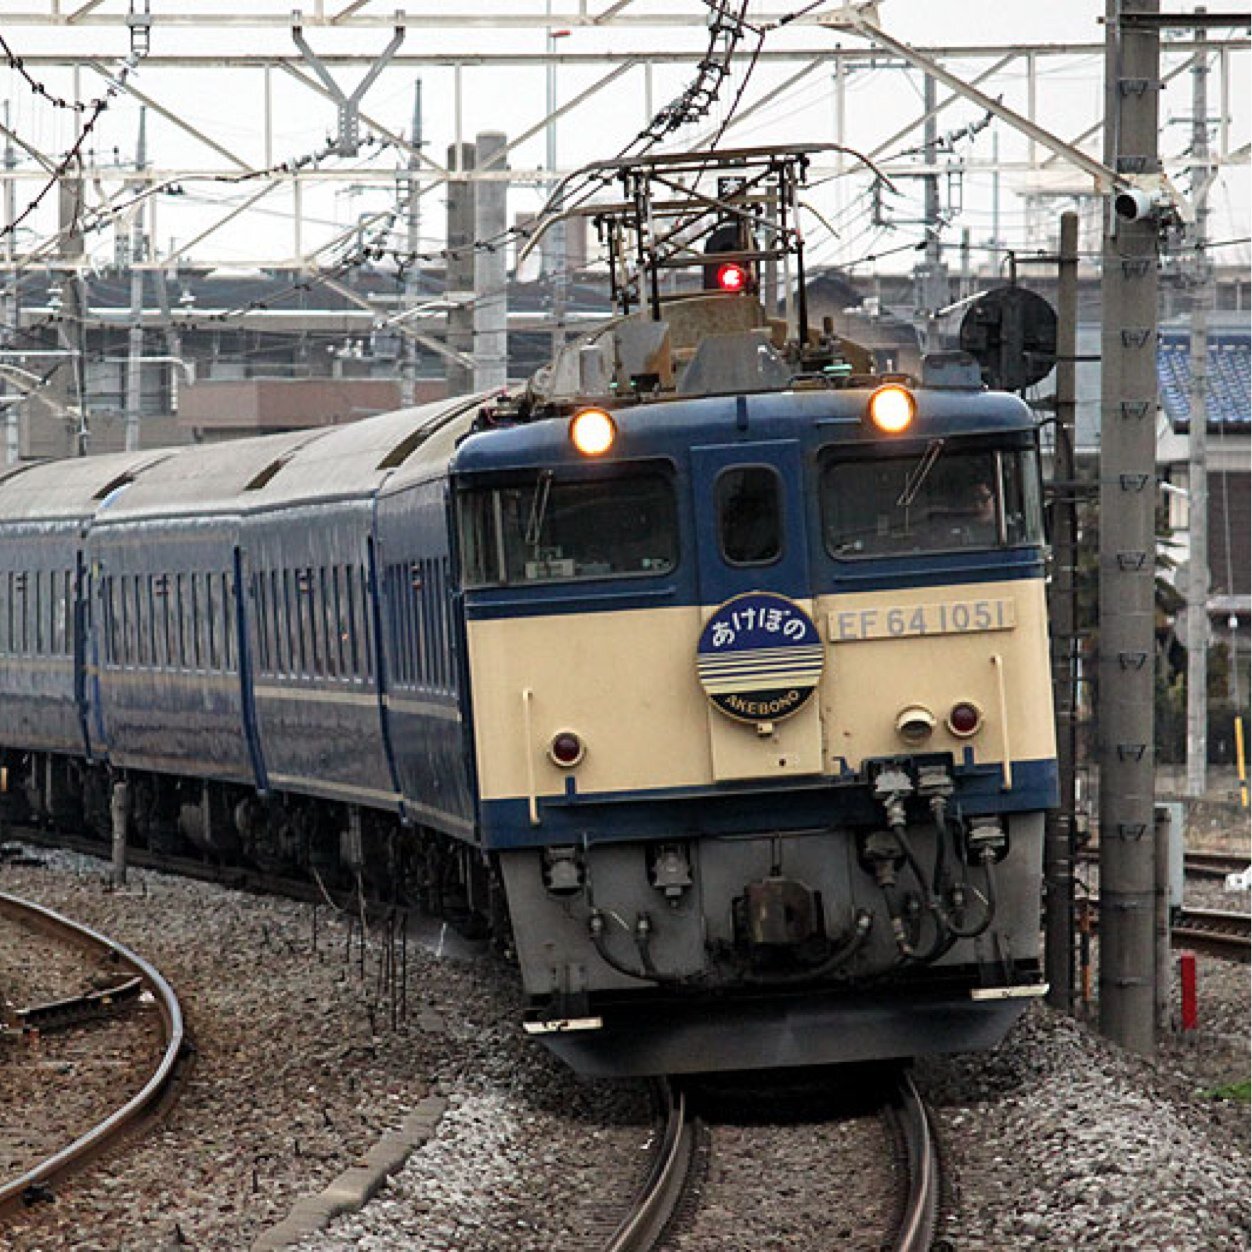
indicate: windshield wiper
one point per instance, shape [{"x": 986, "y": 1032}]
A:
[
  {"x": 538, "y": 509},
  {"x": 917, "y": 475}
]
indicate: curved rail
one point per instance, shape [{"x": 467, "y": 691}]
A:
[
  {"x": 125, "y": 1118},
  {"x": 917, "y": 1226},
  {"x": 655, "y": 1203}
]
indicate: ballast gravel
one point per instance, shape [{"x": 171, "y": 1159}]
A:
[{"x": 1055, "y": 1140}]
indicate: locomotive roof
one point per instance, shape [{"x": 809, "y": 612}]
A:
[
  {"x": 73, "y": 488},
  {"x": 817, "y": 418}
]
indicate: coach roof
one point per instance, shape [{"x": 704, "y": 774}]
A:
[{"x": 72, "y": 489}]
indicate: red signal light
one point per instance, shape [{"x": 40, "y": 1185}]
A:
[{"x": 732, "y": 277}]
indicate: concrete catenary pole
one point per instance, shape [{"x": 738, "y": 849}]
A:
[
  {"x": 491, "y": 272},
  {"x": 1128, "y": 401},
  {"x": 460, "y": 266},
  {"x": 1059, "y": 847},
  {"x": 412, "y": 275},
  {"x": 1197, "y": 470},
  {"x": 134, "y": 339},
  {"x": 556, "y": 251},
  {"x": 931, "y": 276},
  {"x": 8, "y": 299},
  {"x": 70, "y": 390}
]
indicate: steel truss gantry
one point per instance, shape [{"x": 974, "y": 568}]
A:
[{"x": 373, "y": 154}]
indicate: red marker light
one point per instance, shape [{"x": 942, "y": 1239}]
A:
[
  {"x": 732, "y": 277},
  {"x": 964, "y": 719},
  {"x": 566, "y": 749}
]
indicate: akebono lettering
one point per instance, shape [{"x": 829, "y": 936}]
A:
[{"x": 740, "y": 706}]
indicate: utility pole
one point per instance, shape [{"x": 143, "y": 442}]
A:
[
  {"x": 1062, "y": 608},
  {"x": 931, "y": 277},
  {"x": 1128, "y": 402},
  {"x": 459, "y": 267},
  {"x": 134, "y": 340},
  {"x": 412, "y": 276},
  {"x": 556, "y": 251},
  {"x": 73, "y": 305},
  {"x": 8, "y": 302},
  {"x": 1201, "y": 279},
  {"x": 995, "y": 190},
  {"x": 491, "y": 272}
]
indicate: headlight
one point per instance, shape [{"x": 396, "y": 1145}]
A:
[
  {"x": 891, "y": 409},
  {"x": 915, "y": 724},
  {"x": 593, "y": 432}
]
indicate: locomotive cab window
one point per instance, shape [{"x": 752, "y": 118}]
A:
[
  {"x": 939, "y": 499},
  {"x": 749, "y": 515},
  {"x": 548, "y": 530}
]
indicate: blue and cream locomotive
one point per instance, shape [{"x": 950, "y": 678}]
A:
[{"x": 710, "y": 673}]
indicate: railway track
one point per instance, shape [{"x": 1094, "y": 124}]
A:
[
  {"x": 1202, "y": 863},
  {"x": 682, "y": 1147},
  {"x": 135, "y": 978},
  {"x": 678, "y": 1146},
  {"x": 1214, "y": 931},
  {"x": 920, "y": 1215},
  {"x": 1215, "y": 864},
  {"x": 236, "y": 877}
]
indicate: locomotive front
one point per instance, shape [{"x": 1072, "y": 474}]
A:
[{"x": 762, "y": 721}]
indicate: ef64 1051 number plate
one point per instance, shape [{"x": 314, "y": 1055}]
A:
[{"x": 900, "y": 621}]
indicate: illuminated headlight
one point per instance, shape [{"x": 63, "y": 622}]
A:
[
  {"x": 891, "y": 409},
  {"x": 964, "y": 719},
  {"x": 593, "y": 432},
  {"x": 566, "y": 749},
  {"x": 915, "y": 724}
]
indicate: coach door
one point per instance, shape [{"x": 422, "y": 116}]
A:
[{"x": 759, "y": 657}]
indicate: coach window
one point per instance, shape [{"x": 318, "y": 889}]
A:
[
  {"x": 126, "y": 646},
  {"x": 274, "y": 623},
  {"x": 60, "y": 591},
  {"x": 210, "y": 618},
  {"x": 365, "y": 603},
  {"x": 39, "y": 611},
  {"x": 228, "y": 621},
  {"x": 749, "y": 515},
  {"x": 193, "y": 621},
  {"x": 143, "y": 621},
  {"x": 330, "y": 620}
]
